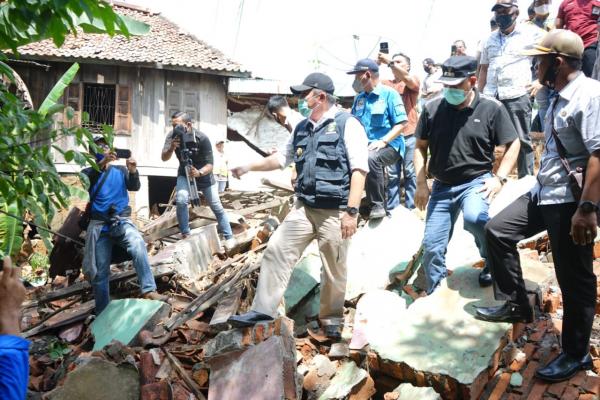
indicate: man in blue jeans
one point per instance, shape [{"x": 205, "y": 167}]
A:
[
  {"x": 111, "y": 232},
  {"x": 202, "y": 159},
  {"x": 460, "y": 131}
]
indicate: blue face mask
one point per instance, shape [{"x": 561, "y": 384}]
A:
[
  {"x": 454, "y": 96},
  {"x": 303, "y": 108}
]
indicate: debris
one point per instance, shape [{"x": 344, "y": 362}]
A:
[
  {"x": 345, "y": 379},
  {"x": 185, "y": 376},
  {"x": 97, "y": 379},
  {"x": 516, "y": 379},
  {"x": 122, "y": 320},
  {"x": 406, "y": 391}
]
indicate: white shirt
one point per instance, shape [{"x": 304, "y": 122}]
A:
[
  {"x": 430, "y": 84},
  {"x": 509, "y": 72},
  {"x": 577, "y": 122},
  {"x": 355, "y": 140}
]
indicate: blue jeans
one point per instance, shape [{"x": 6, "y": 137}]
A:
[
  {"x": 445, "y": 203},
  {"x": 131, "y": 240},
  {"x": 410, "y": 178},
  {"x": 182, "y": 199},
  {"x": 222, "y": 186}
]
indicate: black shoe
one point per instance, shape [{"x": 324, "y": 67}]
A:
[
  {"x": 508, "y": 312},
  {"x": 250, "y": 318},
  {"x": 563, "y": 367},
  {"x": 377, "y": 212},
  {"x": 333, "y": 332},
  {"x": 485, "y": 277}
]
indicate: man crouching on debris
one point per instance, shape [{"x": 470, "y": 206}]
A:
[
  {"x": 331, "y": 156},
  {"x": 557, "y": 204},
  {"x": 460, "y": 131},
  {"x": 111, "y": 226}
]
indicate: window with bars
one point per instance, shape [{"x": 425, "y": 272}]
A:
[{"x": 99, "y": 102}]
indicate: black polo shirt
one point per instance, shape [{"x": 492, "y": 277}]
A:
[{"x": 461, "y": 142}]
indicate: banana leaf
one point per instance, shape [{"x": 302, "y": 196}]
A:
[
  {"x": 11, "y": 231},
  {"x": 58, "y": 90}
]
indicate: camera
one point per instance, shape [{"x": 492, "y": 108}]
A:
[{"x": 384, "y": 48}]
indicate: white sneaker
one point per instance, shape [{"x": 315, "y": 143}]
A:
[{"x": 229, "y": 244}]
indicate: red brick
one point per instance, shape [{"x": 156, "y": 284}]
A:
[
  {"x": 571, "y": 393},
  {"x": 592, "y": 384},
  {"x": 587, "y": 396},
  {"x": 500, "y": 386},
  {"x": 537, "y": 391},
  {"x": 597, "y": 366},
  {"x": 578, "y": 379},
  {"x": 557, "y": 325},
  {"x": 517, "y": 330},
  {"x": 597, "y": 250},
  {"x": 530, "y": 371},
  {"x": 513, "y": 396},
  {"x": 558, "y": 388},
  {"x": 529, "y": 349}
]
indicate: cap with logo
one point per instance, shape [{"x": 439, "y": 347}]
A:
[
  {"x": 558, "y": 41},
  {"x": 316, "y": 80},
  {"x": 366, "y": 64},
  {"x": 456, "y": 69},
  {"x": 505, "y": 4}
]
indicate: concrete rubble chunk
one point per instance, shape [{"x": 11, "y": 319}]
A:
[
  {"x": 305, "y": 277},
  {"x": 346, "y": 378},
  {"x": 98, "y": 379},
  {"x": 516, "y": 379},
  {"x": 410, "y": 392},
  {"x": 122, "y": 320},
  {"x": 257, "y": 373}
]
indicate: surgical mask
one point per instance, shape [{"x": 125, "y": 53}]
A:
[
  {"x": 454, "y": 96},
  {"x": 505, "y": 21},
  {"x": 544, "y": 9},
  {"x": 357, "y": 86},
  {"x": 303, "y": 108}
]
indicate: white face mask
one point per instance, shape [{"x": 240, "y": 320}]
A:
[{"x": 542, "y": 10}]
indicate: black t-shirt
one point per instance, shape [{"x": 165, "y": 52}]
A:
[
  {"x": 201, "y": 154},
  {"x": 461, "y": 142}
]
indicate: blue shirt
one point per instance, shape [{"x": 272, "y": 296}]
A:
[
  {"x": 114, "y": 189},
  {"x": 379, "y": 111},
  {"x": 14, "y": 367}
]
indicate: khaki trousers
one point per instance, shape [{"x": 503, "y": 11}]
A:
[{"x": 302, "y": 225}]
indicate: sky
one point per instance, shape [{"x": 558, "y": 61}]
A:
[{"x": 287, "y": 39}]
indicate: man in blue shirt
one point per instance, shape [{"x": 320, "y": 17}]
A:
[
  {"x": 14, "y": 350},
  {"x": 111, "y": 228},
  {"x": 381, "y": 111}
]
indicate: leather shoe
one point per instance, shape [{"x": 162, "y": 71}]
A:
[
  {"x": 377, "y": 212},
  {"x": 508, "y": 312},
  {"x": 563, "y": 367},
  {"x": 333, "y": 332},
  {"x": 250, "y": 318},
  {"x": 485, "y": 277}
]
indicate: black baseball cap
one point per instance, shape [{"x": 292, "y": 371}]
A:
[
  {"x": 366, "y": 64},
  {"x": 505, "y": 4},
  {"x": 457, "y": 68},
  {"x": 316, "y": 80},
  {"x": 428, "y": 61}
]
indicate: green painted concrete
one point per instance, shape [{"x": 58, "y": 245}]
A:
[{"x": 123, "y": 319}]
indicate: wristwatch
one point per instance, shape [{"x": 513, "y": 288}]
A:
[
  {"x": 502, "y": 179},
  {"x": 588, "y": 206},
  {"x": 390, "y": 64},
  {"x": 352, "y": 211}
]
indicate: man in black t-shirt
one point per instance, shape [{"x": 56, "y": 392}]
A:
[
  {"x": 202, "y": 159},
  {"x": 460, "y": 131}
]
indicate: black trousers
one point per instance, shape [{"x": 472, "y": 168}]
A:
[
  {"x": 572, "y": 264},
  {"x": 589, "y": 59},
  {"x": 375, "y": 184}
]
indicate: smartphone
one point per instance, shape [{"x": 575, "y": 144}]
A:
[
  {"x": 384, "y": 48},
  {"x": 123, "y": 153},
  {"x": 453, "y": 50}
]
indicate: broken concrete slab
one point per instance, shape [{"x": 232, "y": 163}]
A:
[
  {"x": 305, "y": 277},
  {"x": 410, "y": 392},
  {"x": 380, "y": 247},
  {"x": 346, "y": 378},
  {"x": 192, "y": 255},
  {"x": 257, "y": 373},
  {"x": 439, "y": 336},
  {"x": 97, "y": 379},
  {"x": 122, "y": 320}
]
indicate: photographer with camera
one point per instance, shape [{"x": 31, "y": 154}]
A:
[
  {"x": 194, "y": 152},
  {"x": 110, "y": 226}
]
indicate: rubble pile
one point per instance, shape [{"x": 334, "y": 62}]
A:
[{"x": 396, "y": 343}]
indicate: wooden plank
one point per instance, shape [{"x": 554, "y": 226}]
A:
[
  {"x": 227, "y": 307},
  {"x": 184, "y": 375},
  {"x": 277, "y": 185}
]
